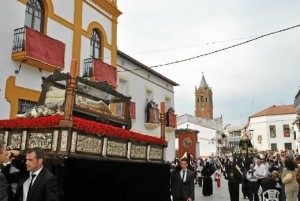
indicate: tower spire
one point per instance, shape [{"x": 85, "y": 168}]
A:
[{"x": 203, "y": 83}]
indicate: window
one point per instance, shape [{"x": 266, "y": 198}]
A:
[
  {"x": 95, "y": 45},
  {"x": 123, "y": 89},
  {"x": 167, "y": 103},
  {"x": 25, "y": 105},
  {"x": 286, "y": 130},
  {"x": 236, "y": 133},
  {"x": 272, "y": 131},
  {"x": 288, "y": 146},
  {"x": 149, "y": 105},
  {"x": 274, "y": 146},
  {"x": 34, "y": 15},
  {"x": 149, "y": 94}
]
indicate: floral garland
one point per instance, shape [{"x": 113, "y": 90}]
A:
[
  {"x": 104, "y": 129},
  {"x": 41, "y": 122},
  {"x": 81, "y": 124}
]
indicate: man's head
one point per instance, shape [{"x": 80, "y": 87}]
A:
[
  {"x": 251, "y": 167},
  {"x": 34, "y": 159},
  {"x": 183, "y": 163},
  {"x": 297, "y": 160},
  {"x": 3, "y": 152},
  {"x": 259, "y": 162}
]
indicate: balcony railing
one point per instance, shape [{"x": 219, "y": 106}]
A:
[
  {"x": 19, "y": 40},
  {"x": 88, "y": 67},
  {"x": 39, "y": 50},
  {"x": 100, "y": 71}
]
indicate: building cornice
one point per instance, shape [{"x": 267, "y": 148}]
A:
[{"x": 139, "y": 64}]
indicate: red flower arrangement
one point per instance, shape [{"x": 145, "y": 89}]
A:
[
  {"x": 108, "y": 130},
  {"x": 41, "y": 122},
  {"x": 81, "y": 124}
]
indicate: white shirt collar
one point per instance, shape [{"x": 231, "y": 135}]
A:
[{"x": 36, "y": 172}]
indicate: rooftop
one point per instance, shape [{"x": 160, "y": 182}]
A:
[
  {"x": 143, "y": 66},
  {"x": 276, "y": 110}
]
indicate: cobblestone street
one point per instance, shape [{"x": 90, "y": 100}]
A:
[{"x": 219, "y": 194}]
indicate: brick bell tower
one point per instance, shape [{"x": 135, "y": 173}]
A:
[{"x": 203, "y": 100}]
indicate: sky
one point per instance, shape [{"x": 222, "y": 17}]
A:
[{"x": 245, "y": 79}]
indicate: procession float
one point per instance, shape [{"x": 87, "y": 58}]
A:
[
  {"x": 89, "y": 147},
  {"x": 246, "y": 148}
]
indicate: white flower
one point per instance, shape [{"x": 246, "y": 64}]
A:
[
  {"x": 33, "y": 112},
  {"x": 45, "y": 113}
]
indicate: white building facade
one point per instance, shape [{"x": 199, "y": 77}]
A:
[
  {"x": 273, "y": 129},
  {"x": 233, "y": 134},
  {"x": 79, "y": 29},
  {"x": 142, "y": 83},
  {"x": 296, "y": 122},
  {"x": 209, "y": 135}
]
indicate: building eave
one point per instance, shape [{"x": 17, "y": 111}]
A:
[{"x": 143, "y": 66}]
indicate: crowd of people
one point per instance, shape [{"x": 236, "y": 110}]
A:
[{"x": 253, "y": 176}]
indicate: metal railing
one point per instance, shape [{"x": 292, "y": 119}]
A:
[
  {"x": 19, "y": 40},
  {"x": 88, "y": 67}
]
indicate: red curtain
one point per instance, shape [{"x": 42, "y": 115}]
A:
[
  {"x": 172, "y": 120},
  {"x": 45, "y": 49},
  {"x": 104, "y": 72},
  {"x": 132, "y": 110}
]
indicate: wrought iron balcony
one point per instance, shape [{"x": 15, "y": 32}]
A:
[
  {"x": 19, "y": 40},
  {"x": 99, "y": 71},
  {"x": 36, "y": 49}
]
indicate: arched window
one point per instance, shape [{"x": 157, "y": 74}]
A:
[
  {"x": 96, "y": 44},
  {"x": 34, "y": 15}
]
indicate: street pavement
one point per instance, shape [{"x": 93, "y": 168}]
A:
[{"x": 219, "y": 194}]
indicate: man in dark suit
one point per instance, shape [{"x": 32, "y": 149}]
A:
[
  {"x": 148, "y": 108},
  {"x": 234, "y": 176},
  {"x": 3, "y": 181},
  {"x": 182, "y": 183},
  {"x": 41, "y": 185}
]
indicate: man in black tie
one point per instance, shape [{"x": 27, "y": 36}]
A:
[
  {"x": 182, "y": 183},
  {"x": 41, "y": 185}
]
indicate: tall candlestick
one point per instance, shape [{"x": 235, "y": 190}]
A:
[{"x": 162, "y": 119}]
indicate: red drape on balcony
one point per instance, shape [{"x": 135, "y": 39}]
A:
[
  {"x": 45, "y": 49},
  {"x": 132, "y": 110},
  {"x": 104, "y": 72},
  {"x": 172, "y": 120}
]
